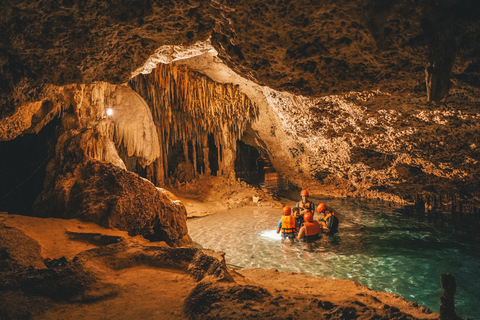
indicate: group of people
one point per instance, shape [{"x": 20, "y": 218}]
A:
[{"x": 299, "y": 222}]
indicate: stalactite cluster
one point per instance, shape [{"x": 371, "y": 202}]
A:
[{"x": 188, "y": 107}]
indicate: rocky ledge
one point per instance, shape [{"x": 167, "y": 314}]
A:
[{"x": 93, "y": 272}]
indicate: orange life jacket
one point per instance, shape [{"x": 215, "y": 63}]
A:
[
  {"x": 325, "y": 219},
  {"x": 312, "y": 228},
  {"x": 288, "y": 225},
  {"x": 307, "y": 205}
]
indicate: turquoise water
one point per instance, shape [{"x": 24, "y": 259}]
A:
[{"x": 378, "y": 246}]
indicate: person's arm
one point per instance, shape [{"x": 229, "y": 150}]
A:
[
  {"x": 278, "y": 230},
  {"x": 301, "y": 232},
  {"x": 323, "y": 225},
  {"x": 279, "y": 226},
  {"x": 302, "y": 210}
]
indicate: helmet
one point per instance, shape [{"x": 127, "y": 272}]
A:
[
  {"x": 287, "y": 211},
  {"x": 321, "y": 207},
  {"x": 308, "y": 216},
  {"x": 304, "y": 193}
]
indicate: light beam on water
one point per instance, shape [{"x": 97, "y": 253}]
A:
[{"x": 271, "y": 235}]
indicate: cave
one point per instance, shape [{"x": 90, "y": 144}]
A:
[{"x": 161, "y": 142}]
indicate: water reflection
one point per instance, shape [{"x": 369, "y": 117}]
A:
[{"x": 377, "y": 246}]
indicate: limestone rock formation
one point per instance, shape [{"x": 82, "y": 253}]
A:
[
  {"x": 87, "y": 178},
  {"x": 93, "y": 191},
  {"x": 355, "y": 98},
  {"x": 188, "y": 109}
]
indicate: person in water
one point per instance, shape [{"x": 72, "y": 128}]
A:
[
  {"x": 310, "y": 230},
  {"x": 328, "y": 219},
  {"x": 287, "y": 224},
  {"x": 298, "y": 217},
  {"x": 305, "y": 205}
]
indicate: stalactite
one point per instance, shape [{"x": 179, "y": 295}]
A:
[{"x": 187, "y": 106}]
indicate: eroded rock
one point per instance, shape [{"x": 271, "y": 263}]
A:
[{"x": 103, "y": 193}]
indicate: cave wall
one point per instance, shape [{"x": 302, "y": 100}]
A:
[
  {"x": 373, "y": 144},
  {"x": 303, "y": 47},
  {"x": 352, "y": 98},
  {"x": 85, "y": 178}
]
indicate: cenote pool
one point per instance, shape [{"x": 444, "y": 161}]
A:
[{"x": 377, "y": 245}]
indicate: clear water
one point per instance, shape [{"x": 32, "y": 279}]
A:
[{"x": 377, "y": 246}]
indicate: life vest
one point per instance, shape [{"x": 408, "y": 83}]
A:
[
  {"x": 330, "y": 221},
  {"x": 312, "y": 228},
  {"x": 288, "y": 225},
  {"x": 307, "y": 205}
]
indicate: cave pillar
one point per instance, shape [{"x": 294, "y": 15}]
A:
[
  {"x": 205, "y": 154},
  {"x": 227, "y": 165},
  {"x": 159, "y": 172},
  {"x": 185, "y": 150},
  {"x": 194, "y": 152}
]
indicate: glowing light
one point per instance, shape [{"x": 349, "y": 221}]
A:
[
  {"x": 271, "y": 234},
  {"x": 109, "y": 112}
]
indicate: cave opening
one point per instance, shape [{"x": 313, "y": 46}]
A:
[
  {"x": 23, "y": 163},
  {"x": 249, "y": 164},
  {"x": 180, "y": 167}
]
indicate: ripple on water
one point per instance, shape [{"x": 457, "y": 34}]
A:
[{"x": 376, "y": 246}]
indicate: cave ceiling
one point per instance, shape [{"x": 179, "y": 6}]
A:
[{"x": 313, "y": 48}]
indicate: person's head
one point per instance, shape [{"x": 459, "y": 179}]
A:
[
  {"x": 308, "y": 216},
  {"x": 287, "y": 211},
  {"x": 304, "y": 195},
  {"x": 321, "y": 208},
  {"x": 296, "y": 212}
]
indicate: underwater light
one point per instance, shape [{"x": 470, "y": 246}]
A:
[
  {"x": 109, "y": 112},
  {"x": 271, "y": 234}
]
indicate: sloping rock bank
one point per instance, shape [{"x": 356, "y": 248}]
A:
[
  {"x": 123, "y": 277},
  {"x": 26, "y": 281}
]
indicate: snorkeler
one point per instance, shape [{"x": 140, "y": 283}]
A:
[
  {"x": 287, "y": 224},
  {"x": 311, "y": 229},
  {"x": 329, "y": 222}
]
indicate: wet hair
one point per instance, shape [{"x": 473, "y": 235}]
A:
[{"x": 295, "y": 209}]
